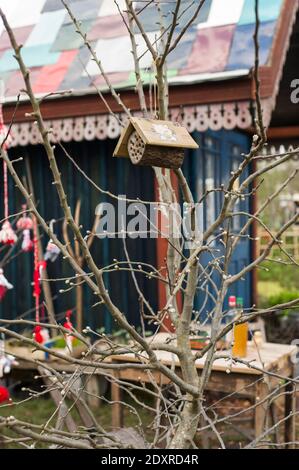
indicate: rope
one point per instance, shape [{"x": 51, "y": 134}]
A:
[
  {"x": 36, "y": 274},
  {"x": 5, "y": 184}
]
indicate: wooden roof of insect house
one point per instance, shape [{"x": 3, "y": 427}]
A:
[{"x": 155, "y": 143}]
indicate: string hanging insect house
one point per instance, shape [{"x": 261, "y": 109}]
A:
[{"x": 154, "y": 142}]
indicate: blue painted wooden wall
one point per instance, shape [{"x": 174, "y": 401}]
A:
[
  {"x": 116, "y": 175},
  {"x": 210, "y": 166}
]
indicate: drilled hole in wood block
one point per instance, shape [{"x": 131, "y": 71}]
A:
[{"x": 136, "y": 148}]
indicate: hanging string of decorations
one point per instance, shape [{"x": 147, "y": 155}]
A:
[
  {"x": 8, "y": 237},
  {"x": 7, "y": 361},
  {"x": 41, "y": 335},
  {"x": 7, "y": 234}
]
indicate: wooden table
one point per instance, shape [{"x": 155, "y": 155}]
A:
[
  {"x": 242, "y": 380},
  {"x": 26, "y": 363}
]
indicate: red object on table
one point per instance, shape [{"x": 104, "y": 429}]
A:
[
  {"x": 37, "y": 334},
  {"x": 4, "y": 394}
]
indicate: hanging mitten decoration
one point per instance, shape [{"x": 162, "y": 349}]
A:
[
  {"x": 25, "y": 224},
  {"x": 4, "y": 285},
  {"x": 52, "y": 251},
  {"x": 39, "y": 266},
  {"x": 68, "y": 325},
  {"x": 7, "y": 234},
  {"x": 27, "y": 243}
]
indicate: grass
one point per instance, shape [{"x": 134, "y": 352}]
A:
[
  {"x": 269, "y": 289},
  {"x": 39, "y": 411},
  {"x": 276, "y": 279},
  {"x": 277, "y": 273}
]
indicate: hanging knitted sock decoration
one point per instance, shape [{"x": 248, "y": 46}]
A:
[
  {"x": 37, "y": 275},
  {"x": 52, "y": 251},
  {"x": 27, "y": 243},
  {"x": 7, "y": 234},
  {"x": 25, "y": 224}
]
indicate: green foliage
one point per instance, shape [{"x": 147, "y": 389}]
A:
[
  {"x": 275, "y": 215},
  {"x": 278, "y": 284},
  {"x": 283, "y": 298},
  {"x": 60, "y": 343},
  {"x": 285, "y": 275},
  {"x": 40, "y": 410}
]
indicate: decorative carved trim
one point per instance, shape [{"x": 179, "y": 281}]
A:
[
  {"x": 282, "y": 148},
  {"x": 196, "y": 118}
]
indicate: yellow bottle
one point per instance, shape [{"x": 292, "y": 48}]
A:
[{"x": 240, "y": 335}]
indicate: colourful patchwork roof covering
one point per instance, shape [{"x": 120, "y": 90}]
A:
[{"x": 218, "y": 45}]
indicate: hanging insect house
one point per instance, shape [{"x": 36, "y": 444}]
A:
[{"x": 153, "y": 142}]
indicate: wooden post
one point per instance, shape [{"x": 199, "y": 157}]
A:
[
  {"x": 290, "y": 411},
  {"x": 93, "y": 391},
  {"x": 63, "y": 415},
  {"x": 261, "y": 411},
  {"x": 117, "y": 409},
  {"x": 79, "y": 305}
]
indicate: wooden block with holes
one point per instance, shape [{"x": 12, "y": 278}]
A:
[{"x": 153, "y": 142}]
